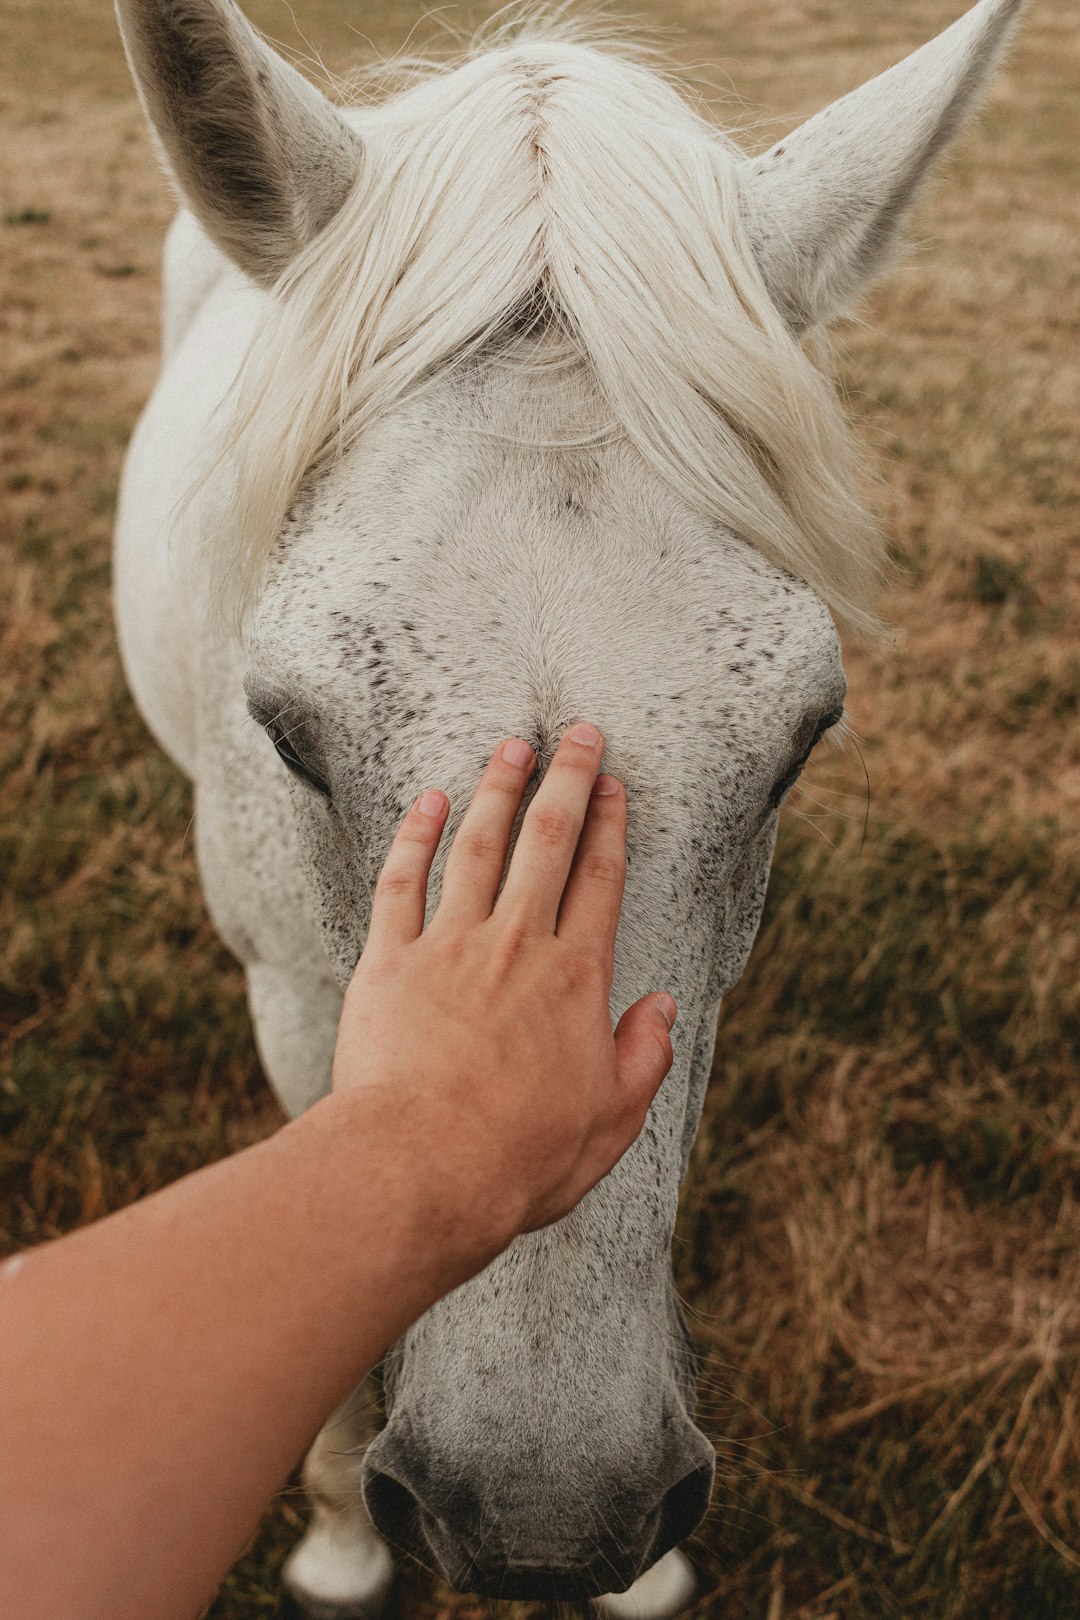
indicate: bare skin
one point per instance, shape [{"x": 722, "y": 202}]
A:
[{"x": 162, "y": 1371}]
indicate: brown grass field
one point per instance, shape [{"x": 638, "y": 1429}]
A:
[{"x": 880, "y": 1244}]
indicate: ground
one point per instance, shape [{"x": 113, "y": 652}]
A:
[{"x": 880, "y": 1242}]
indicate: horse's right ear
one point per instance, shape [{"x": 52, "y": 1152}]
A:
[{"x": 260, "y": 155}]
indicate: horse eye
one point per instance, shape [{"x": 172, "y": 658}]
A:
[
  {"x": 787, "y": 781},
  {"x": 292, "y": 759}
]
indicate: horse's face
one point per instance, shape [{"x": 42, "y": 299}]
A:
[{"x": 439, "y": 590}]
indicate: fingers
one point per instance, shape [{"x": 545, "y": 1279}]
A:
[
  {"x": 589, "y": 914},
  {"x": 397, "y": 909},
  {"x": 643, "y": 1052},
  {"x": 474, "y": 866},
  {"x": 549, "y": 833}
]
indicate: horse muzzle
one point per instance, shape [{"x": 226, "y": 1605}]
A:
[{"x": 534, "y": 1536}]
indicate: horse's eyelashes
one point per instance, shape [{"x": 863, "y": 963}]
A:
[
  {"x": 785, "y": 784},
  {"x": 292, "y": 759},
  {"x": 791, "y": 776}
]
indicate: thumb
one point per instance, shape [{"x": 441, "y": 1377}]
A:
[{"x": 643, "y": 1045}]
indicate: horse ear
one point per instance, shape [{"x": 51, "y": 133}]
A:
[
  {"x": 825, "y": 207},
  {"x": 260, "y": 156}
]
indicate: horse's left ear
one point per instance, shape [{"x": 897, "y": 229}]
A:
[
  {"x": 260, "y": 155},
  {"x": 824, "y": 208}
]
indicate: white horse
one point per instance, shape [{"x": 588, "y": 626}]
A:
[{"x": 484, "y": 409}]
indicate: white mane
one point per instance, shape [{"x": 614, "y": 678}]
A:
[{"x": 549, "y": 181}]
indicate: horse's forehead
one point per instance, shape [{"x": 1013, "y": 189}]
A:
[{"x": 485, "y": 528}]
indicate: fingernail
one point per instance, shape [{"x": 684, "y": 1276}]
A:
[
  {"x": 606, "y": 784},
  {"x": 431, "y": 803},
  {"x": 667, "y": 1006},
  {"x": 516, "y": 752},
  {"x": 586, "y": 735}
]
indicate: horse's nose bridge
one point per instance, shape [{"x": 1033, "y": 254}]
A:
[
  {"x": 530, "y": 1392},
  {"x": 573, "y": 1320}
]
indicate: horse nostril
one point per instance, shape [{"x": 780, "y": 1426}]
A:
[
  {"x": 682, "y": 1509},
  {"x": 395, "y": 1512}
]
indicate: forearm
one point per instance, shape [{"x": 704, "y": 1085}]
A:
[{"x": 132, "y": 1477}]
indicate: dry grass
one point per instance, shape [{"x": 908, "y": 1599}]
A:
[{"x": 881, "y": 1238}]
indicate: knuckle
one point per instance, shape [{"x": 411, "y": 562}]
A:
[
  {"x": 604, "y": 869},
  {"x": 513, "y": 938},
  {"x": 608, "y": 807},
  {"x": 479, "y": 844},
  {"x": 502, "y": 781},
  {"x": 579, "y": 966},
  {"x": 453, "y": 945},
  {"x": 572, "y": 757},
  {"x": 634, "y": 1105},
  {"x": 396, "y": 883},
  {"x": 665, "y": 1048},
  {"x": 416, "y": 829},
  {"x": 551, "y": 824}
]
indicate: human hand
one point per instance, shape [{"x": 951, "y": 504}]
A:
[{"x": 489, "y": 1031}]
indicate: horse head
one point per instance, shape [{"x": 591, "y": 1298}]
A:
[{"x": 528, "y": 434}]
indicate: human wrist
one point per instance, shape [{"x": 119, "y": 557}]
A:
[{"x": 395, "y": 1167}]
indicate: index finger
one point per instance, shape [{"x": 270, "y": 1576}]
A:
[
  {"x": 400, "y": 898},
  {"x": 549, "y": 834}
]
